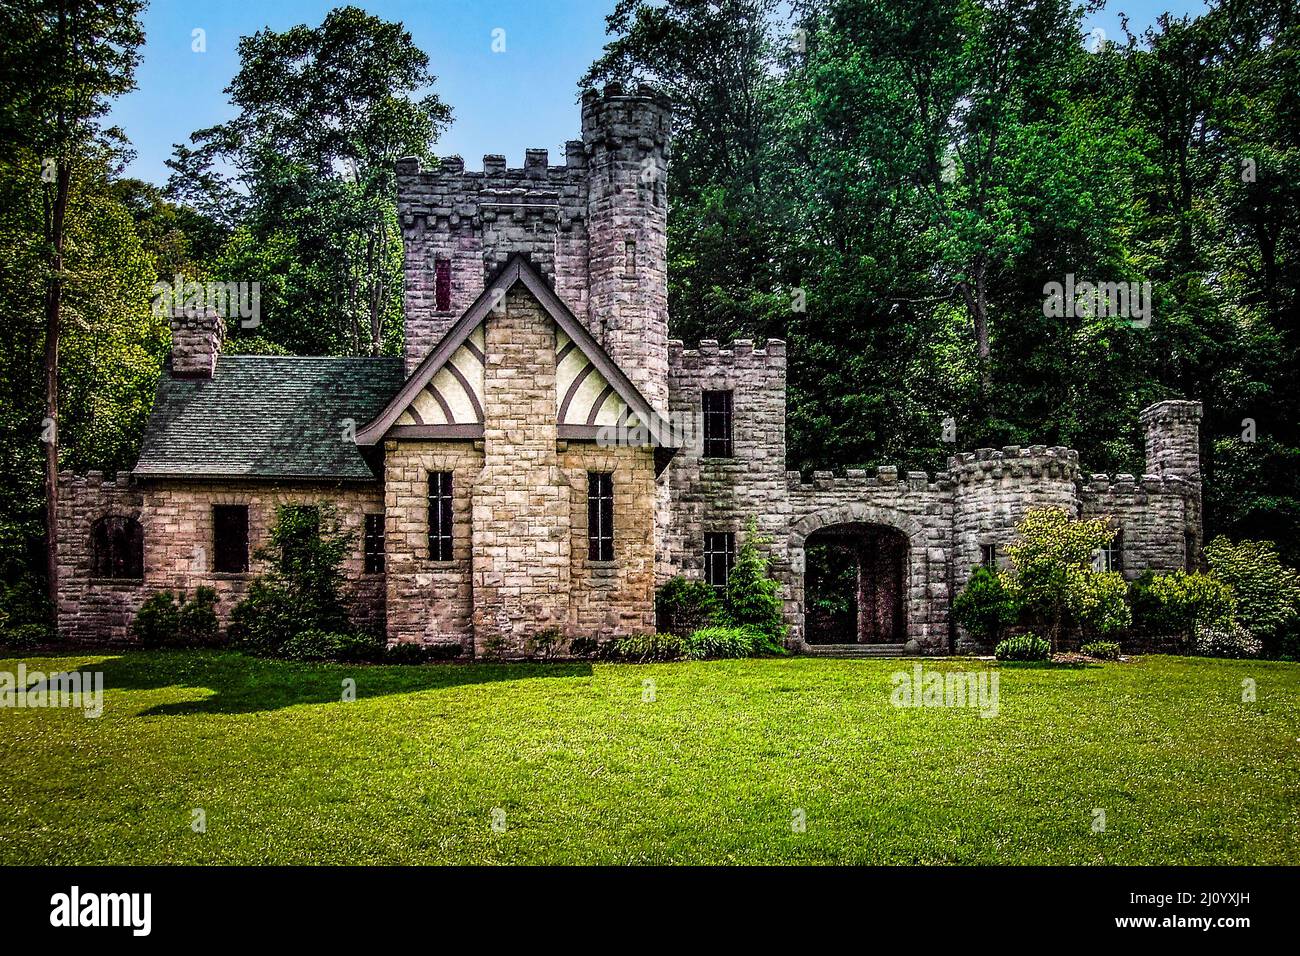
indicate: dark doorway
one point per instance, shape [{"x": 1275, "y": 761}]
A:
[{"x": 854, "y": 585}]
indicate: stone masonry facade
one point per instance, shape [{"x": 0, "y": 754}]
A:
[{"x": 520, "y": 572}]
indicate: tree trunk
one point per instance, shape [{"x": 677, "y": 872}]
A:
[{"x": 50, "y": 429}]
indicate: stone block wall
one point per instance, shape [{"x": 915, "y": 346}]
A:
[
  {"x": 699, "y": 494},
  {"x": 1154, "y": 513},
  {"x": 176, "y": 517},
  {"x": 475, "y": 219},
  {"x": 993, "y": 490},
  {"x": 574, "y": 221},
  {"x": 612, "y": 598},
  {"x": 429, "y": 601},
  {"x": 626, "y": 141},
  {"x": 91, "y": 609},
  {"x": 521, "y": 506},
  {"x": 919, "y": 506}
]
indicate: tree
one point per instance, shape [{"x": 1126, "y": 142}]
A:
[
  {"x": 324, "y": 114},
  {"x": 1052, "y": 575},
  {"x": 66, "y": 59}
]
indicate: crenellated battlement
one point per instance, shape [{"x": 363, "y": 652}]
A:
[
  {"x": 710, "y": 355},
  {"x": 1015, "y": 461},
  {"x": 861, "y": 479},
  {"x": 1122, "y": 484}
]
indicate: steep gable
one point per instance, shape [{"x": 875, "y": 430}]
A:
[{"x": 445, "y": 396}]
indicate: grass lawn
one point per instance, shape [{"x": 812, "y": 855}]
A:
[{"x": 712, "y": 770}]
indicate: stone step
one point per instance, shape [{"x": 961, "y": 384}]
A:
[{"x": 854, "y": 650}]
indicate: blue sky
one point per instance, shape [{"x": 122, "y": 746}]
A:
[{"x": 504, "y": 102}]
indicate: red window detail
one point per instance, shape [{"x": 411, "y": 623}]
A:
[{"x": 442, "y": 284}]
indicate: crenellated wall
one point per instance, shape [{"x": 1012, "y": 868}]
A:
[{"x": 919, "y": 506}]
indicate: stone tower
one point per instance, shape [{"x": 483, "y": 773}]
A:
[
  {"x": 1173, "y": 443},
  {"x": 626, "y": 142}
]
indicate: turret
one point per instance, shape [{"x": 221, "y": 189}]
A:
[{"x": 626, "y": 142}]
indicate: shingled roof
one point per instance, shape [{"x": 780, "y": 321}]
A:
[{"x": 267, "y": 417}]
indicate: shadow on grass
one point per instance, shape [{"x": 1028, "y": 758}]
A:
[{"x": 241, "y": 684}]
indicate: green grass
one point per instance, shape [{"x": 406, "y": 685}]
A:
[{"x": 712, "y": 771}]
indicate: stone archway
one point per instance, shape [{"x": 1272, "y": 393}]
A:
[
  {"x": 855, "y": 585},
  {"x": 913, "y": 576}
]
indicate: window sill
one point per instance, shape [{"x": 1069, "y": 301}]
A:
[
  {"x": 232, "y": 575},
  {"x": 124, "y": 582}
]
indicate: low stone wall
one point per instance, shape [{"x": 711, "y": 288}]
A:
[
  {"x": 178, "y": 547},
  {"x": 90, "y": 609}
]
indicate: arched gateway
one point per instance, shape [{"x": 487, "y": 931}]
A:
[{"x": 870, "y": 580}]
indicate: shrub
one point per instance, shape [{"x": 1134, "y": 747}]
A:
[
  {"x": 1230, "y": 640},
  {"x": 985, "y": 607},
  {"x": 197, "y": 622},
  {"x": 718, "y": 641},
  {"x": 684, "y": 605},
  {"x": 1101, "y": 650},
  {"x": 1183, "y": 601},
  {"x": 26, "y": 636},
  {"x": 1101, "y": 605},
  {"x": 302, "y": 589},
  {"x": 584, "y": 647},
  {"x": 1267, "y": 592},
  {"x": 158, "y": 622},
  {"x": 546, "y": 644},
  {"x": 1052, "y": 575},
  {"x": 644, "y": 648},
  {"x": 316, "y": 645},
  {"x": 754, "y": 598},
  {"x": 1023, "y": 647}
]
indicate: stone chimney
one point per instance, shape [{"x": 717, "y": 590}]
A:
[{"x": 196, "y": 341}]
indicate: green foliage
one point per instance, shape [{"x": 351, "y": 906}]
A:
[
  {"x": 23, "y": 637},
  {"x": 1101, "y": 650},
  {"x": 302, "y": 590},
  {"x": 197, "y": 621},
  {"x": 1267, "y": 593},
  {"x": 168, "y": 620},
  {"x": 985, "y": 606},
  {"x": 323, "y": 114},
  {"x": 685, "y": 604},
  {"x": 647, "y": 648},
  {"x": 753, "y": 598},
  {"x": 1023, "y": 647},
  {"x": 315, "y": 645},
  {"x": 584, "y": 647},
  {"x": 1176, "y": 603},
  {"x": 1226, "y": 640},
  {"x": 157, "y": 623},
  {"x": 716, "y": 642},
  {"x": 1052, "y": 576}
]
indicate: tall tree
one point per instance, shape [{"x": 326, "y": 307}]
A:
[
  {"x": 324, "y": 113},
  {"x": 65, "y": 61}
]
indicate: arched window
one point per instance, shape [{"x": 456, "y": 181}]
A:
[{"x": 117, "y": 548}]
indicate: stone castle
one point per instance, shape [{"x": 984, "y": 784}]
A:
[{"x": 543, "y": 456}]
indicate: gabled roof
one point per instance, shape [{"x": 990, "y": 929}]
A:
[
  {"x": 259, "y": 416},
  {"x": 517, "y": 270}
]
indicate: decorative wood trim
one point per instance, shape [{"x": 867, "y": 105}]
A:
[
  {"x": 517, "y": 269},
  {"x": 466, "y": 432}
]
